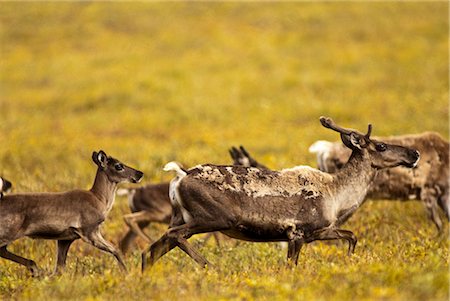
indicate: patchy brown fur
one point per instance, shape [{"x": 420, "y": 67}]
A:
[
  {"x": 151, "y": 203},
  {"x": 298, "y": 205},
  {"x": 259, "y": 183}
]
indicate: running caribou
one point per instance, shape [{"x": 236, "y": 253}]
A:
[
  {"x": 151, "y": 203},
  {"x": 429, "y": 182},
  {"x": 65, "y": 216},
  {"x": 297, "y": 205}
]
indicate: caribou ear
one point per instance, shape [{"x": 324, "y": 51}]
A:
[
  {"x": 234, "y": 153},
  {"x": 94, "y": 157},
  {"x": 353, "y": 141},
  {"x": 100, "y": 158},
  {"x": 346, "y": 140}
]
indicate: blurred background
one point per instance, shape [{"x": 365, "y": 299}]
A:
[{"x": 153, "y": 82}]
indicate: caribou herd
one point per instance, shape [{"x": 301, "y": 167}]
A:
[{"x": 244, "y": 200}]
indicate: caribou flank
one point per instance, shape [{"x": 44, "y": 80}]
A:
[
  {"x": 297, "y": 205},
  {"x": 151, "y": 203},
  {"x": 65, "y": 216},
  {"x": 428, "y": 182}
]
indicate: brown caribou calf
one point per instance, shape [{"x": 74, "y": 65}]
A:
[
  {"x": 297, "y": 205},
  {"x": 151, "y": 203},
  {"x": 65, "y": 216},
  {"x": 429, "y": 182}
]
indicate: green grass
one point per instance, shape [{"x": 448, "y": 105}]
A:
[{"x": 154, "y": 82}]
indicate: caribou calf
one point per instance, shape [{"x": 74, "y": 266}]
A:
[
  {"x": 297, "y": 205},
  {"x": 65, "y": 216},
  {"x": 151, "y": 203},
  {"x": 5, "y": 186}
]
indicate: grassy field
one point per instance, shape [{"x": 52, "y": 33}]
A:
[{"x": 154, "y": 82}]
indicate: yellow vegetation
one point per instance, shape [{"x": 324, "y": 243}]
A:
[{"x": 153, "y": 82}]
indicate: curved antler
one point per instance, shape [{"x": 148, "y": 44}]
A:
[{"x": 329, "y": 123}]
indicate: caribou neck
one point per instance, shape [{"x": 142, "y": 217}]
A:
[
  {"x": 352, "y": 182},
  {"x": 104, "y": 189}
]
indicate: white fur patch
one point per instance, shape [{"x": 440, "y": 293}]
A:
[
  {"x": 322, "y": 149},
  {"x": 320, "y": 146},
  {"x": 244, "y": 161},
  {"x": 417, "y": 162},
  {"x": 122, "y": 192},
  {"x": 174, "y": 195},
  {"x": 301, "y": 168},
  {"x": 348, "y": 196},
  {"x": 1, "y": 184},
  {"x": 176, "y": 167},
  {"x": 110, "y": 204}
]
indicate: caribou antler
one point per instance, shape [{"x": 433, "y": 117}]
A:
[
  {"x": 369, "y": 131},
  {"x": 329, "y": 123}
]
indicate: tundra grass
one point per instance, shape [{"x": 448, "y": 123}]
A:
[{"x": 154, "y": 82}]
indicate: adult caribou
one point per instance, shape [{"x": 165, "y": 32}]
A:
[
  {"x": 297, "y": 205},
  {"x": 151, "y": 203},
  {"x": 428, "y": 183}
]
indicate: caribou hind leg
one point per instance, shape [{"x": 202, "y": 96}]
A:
[
  {"x": 28, "y": 263},
  {"x": 329, "y": 234},
  {"x": 177, "y": 236},
  {"x": 157, "y": 250},
  {"x": 432, "y": 208},
  {"x": 134, "y": 220},
  {"x": 130, "y": 236}
]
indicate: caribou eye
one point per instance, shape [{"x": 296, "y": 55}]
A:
[
  {"x": 118, "y": 167},
  {"x": 381, "y": 147}
]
